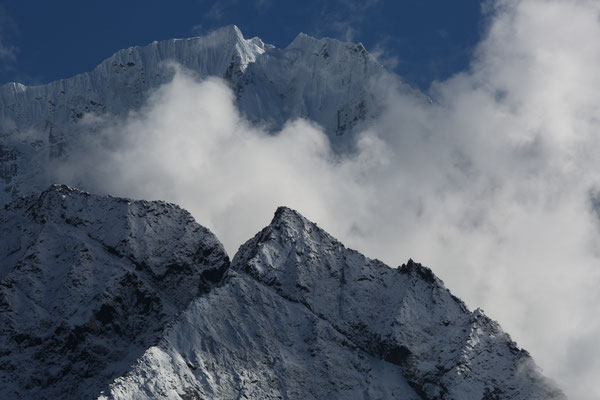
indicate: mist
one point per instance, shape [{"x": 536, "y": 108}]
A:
[{"x": 493, "y": 185}]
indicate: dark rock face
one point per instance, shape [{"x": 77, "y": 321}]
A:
[
  {"x": 87, "y": 284},
  {"x": 123, "y": 299}
]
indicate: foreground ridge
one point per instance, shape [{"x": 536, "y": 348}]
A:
[
  {"x": 87, "y": 284},
  {"x": 302, "y": 317}
]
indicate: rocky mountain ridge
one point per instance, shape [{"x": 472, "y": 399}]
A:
[
  {"x": 87, "y": 283},
  {"x": 124, "y": 299}
]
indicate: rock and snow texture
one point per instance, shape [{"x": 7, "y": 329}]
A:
[
  {"x": 101, "y": 290},
  {"x": 323, "y": 80},
  {"x": 245, "y": 341},
  {"x": 87, "y": 284},
  {"x": 301, "y": 317}
]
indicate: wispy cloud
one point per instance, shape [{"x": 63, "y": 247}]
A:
[
  {"x": 385, "y": 57},
  {"x": 7, "y": 53},
  {"x": 217, "y": 10},
  {"x": 343, "y": 18},
  {"x": 262, "y": 4}
]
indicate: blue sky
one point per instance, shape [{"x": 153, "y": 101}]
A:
[{"x": 422, "y": 40}]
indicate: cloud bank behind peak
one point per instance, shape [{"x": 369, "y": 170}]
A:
[{"x": 492, "y": 185}]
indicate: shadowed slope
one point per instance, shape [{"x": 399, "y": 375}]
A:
[{"x": 88, "y": 283}]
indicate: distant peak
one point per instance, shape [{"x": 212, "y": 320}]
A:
[
  {"x": 230, "y": 30},
  {"x": 303, "y": 35},
  {"x": 226, "y": 34},
  {"x": 327, "y": 47},
  {"x": 246, "y": 49},
  {"x": 303, "y": 39},
  {"x": 15, "y": 87}
]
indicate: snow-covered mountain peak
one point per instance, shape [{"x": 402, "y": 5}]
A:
[
  {"x": 304, "y": 41},
  {"x": 213, "y": 52},
  {"x": 324, "y": 80},
  {"x": 404, "y": 316},
  {"x": 288, "y": 232},
  {"x": 231, "y": 36},
  {"x": 15, "y": 87},
  {"x": 230, "y": 31},
  {"x": 290, "y": 222},
  {"x": 313, "y": 255}
]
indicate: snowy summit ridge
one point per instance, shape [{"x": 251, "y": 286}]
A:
[{"x": 323, "y": 80}]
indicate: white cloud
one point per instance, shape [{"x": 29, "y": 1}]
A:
[
  {"x": 385, "y": 57},
  {"x": 7, "y": 53},
  {"x": 343, "y": 18},
  {"x": 490, "y": 185}
]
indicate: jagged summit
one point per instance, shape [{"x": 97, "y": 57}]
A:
[
  {"x": 405, "y": 316},
  {"x": 425, "y": 273},
  {"x": 327, "y": 46},
  {"x": 287, "y": 228},
  {"x": 233, "y": 34},
  {"x": 286, "y": 217},
  {"x": 302, "y": 40},
  {"x": 229, "y": 31}
]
